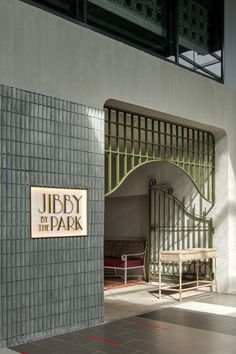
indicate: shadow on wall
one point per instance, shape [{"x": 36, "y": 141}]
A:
[
  {"x": 166, "y": 174},
  {"x": 127, "y": 209}
]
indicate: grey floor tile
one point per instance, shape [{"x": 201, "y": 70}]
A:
[
  {"x": 32, "y": 349},
  {"x": 108, "y": 348},
  {"x": 187, "y": 318},
  {"x": 64, "y": 347},
  {"x": 150, "y": 348},
  {"x": 119, "y": 331},
  {"x": 167, "y": 331},
  {"x": 104, "y": 335},
  {"x": 76, "y": 339},
  {"x": 220, "y": 299}
]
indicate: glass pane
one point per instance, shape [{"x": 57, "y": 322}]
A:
[
  {"x": 200, "y": 33},
  {"x": 141, "y": 22},
  {"x": 66, "y": 7}
]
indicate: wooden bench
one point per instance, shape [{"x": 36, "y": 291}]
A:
[{"x": 125, "y": 255}]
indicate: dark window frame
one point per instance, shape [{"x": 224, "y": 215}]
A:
[{"x": 172, "y": 28}]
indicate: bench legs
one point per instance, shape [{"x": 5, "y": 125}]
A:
[
  {"x": 126, "y": 272},
  {"x": 125, "y": 276},
  {"x": 144, "y": 272}
]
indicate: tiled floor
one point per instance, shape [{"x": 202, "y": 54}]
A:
[
  {"x": 170, "y": 330},
  {"x": 116, "y": 282}
]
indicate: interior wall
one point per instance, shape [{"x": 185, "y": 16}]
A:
[
  {"x": 127, "y": 209},
  {"x": 126, "y": 217},
  {"x": 165, "y": 174},
  {"x": 220, "y": 212}
]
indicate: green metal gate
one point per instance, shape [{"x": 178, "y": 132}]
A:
[
  {"x": 173, "y": 227},
  {"x": 133, "y": 140}
]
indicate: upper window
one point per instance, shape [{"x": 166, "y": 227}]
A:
[
  {"x": 200, "y": 36},
  {"x": 188, "y": 32}
]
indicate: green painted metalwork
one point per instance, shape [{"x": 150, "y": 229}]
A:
[
  {"x": 133, "y": 140},
  {"x": 174, "y": 227}
]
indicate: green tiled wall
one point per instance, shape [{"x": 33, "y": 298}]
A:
[{"x": 48, "y": 286}]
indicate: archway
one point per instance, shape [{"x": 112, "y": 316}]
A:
[{"x": 182, "y": 161}]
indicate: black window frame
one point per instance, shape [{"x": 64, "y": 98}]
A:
[{"x": 81, "y": 19}]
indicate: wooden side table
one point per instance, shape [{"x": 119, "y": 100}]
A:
[{"x": 180, "y": 256}]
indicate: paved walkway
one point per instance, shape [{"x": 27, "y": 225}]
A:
[{"x": 206, "y": 325}]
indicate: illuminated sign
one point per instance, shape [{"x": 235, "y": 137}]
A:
[{"x": 58, "y": 212}]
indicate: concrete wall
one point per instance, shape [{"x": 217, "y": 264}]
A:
[
  {"x": 50, "y": 285},
  {"x": 230, "y": 44},
  {"x": 42, "y": 53}
]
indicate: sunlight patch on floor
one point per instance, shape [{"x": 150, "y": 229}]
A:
[{"x": 208, "y": 308}]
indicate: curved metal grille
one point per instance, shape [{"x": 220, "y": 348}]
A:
[{"x": 132, "y": 140}]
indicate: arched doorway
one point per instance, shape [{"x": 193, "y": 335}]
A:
[{"x": 140, "y": 149}]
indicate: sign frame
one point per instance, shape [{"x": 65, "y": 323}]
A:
[{"x": 59, "y": 234}]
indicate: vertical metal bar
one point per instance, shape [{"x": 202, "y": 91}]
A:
[
  {"x": 199, "y": 161},
  {"x": 168, "y": 225},
  {"x": 109, "y": 169},
  {"x": 208, "y": 169},
  {"x": 197, "y": 271},
  {"x": 82, "y": 10},
  {"x": 146, "y": 139},
  {"x": 159, "y": 277},
  {"x": 193, "y": 156},
  {"x": 178, "y": 212},
  {"x": 188, "y": 233},
  {"x": 213, "y": 167},
  {"x": 125, "y": 147},
  {"x": 171, "y": 142},
  {"x": 174, "y": 21},
  {"x": 204, "y": 229},
  {"x": 154, "y": 244},
  {"x": 200, "y": 206},
  {"x": 117, "y": 150},
  {"x": 149, "y": 279},
  {"x": 199, "y": 233},
  {"x": 164, "y": 223},
  {"x": 165, "y": 141},
  {"x": 153, "y": 142},
  {"x": 182, "y": 157},
  {"x": 173, "y": 225},
  {"x": 132, "y": 141},
  {"x": 210, "y": 227},
  {"x": 188, "y": 154},
  {"x": 180, "y": 280},
  {"x": 203, "y": 163},
  {"x": 159, "y": 140},
  {"x": 194, "y": 227},
  {"x": 139, "y": 141},
  {"x": 183, "y": 224},
  {"x": 177, "y": 145},
  {"x": 159, "y": 219},
  {"x": 173, "y": 231}
]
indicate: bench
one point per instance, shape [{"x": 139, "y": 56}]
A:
[{"x": 125, "y": 255}]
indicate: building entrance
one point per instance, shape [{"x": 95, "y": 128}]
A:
[{"x": 141, "y": 154}]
